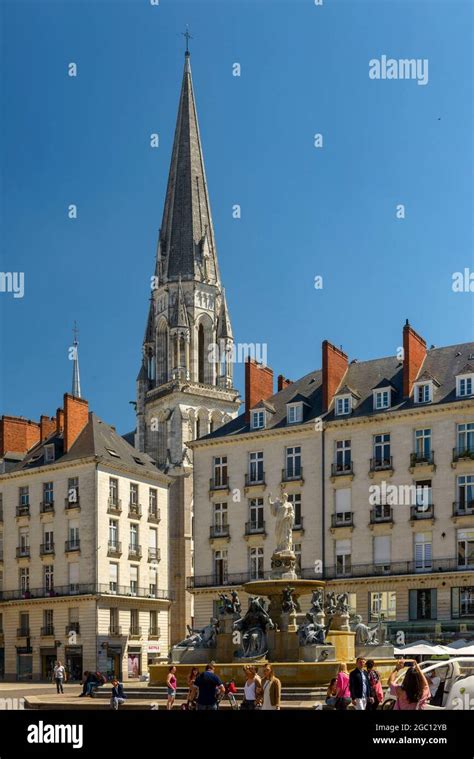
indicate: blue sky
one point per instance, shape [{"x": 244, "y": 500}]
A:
[{"x": 305, "y": 211}]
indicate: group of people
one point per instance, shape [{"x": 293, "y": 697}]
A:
[
  {"x": 206, "y": 689},
  {"x": 362, "y": 687}
]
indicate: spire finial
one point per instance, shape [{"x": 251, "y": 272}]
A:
[
  {"x": 76, "y": 381},
  {"x": 188, "y": 37}
]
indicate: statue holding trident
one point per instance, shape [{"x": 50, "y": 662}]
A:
[
  {"x": 283, "y": 558},
  {"x": 284, "y": 512}
]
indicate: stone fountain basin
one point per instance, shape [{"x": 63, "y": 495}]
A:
[{"x": 274, "y": 587}]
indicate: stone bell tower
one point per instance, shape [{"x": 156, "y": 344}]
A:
[{"x": 184, "y": 387}]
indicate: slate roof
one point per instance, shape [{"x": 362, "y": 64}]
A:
[
  {"x": 362, "y": 377},
  {"x": 96, "y": 439}
]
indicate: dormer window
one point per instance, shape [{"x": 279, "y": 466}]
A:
[
  {"x": 423, "y": 392},
  {"x": 49, "y": 454},
  {"x": 464, "y": 385},
  {"x": 382, "y": 399},
  {"x": 294, "y": 413},
  {"x": 258, "y": 419},
  {"x": 343, "y": 405}
]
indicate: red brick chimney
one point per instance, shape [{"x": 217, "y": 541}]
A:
[
  {"x": 283, "y": 382},
  {"x": 47, "y": 426},
  {"x": 258, "y": 384},
  {"x": 76, "y": 416},
  {"x": 18, "y": 434},
  {"x": 335, "y": 364},
  {"x": 414, "y": 352},
  {"x": 59, "y": 420}
]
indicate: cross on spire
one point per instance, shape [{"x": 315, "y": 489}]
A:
[
  {"x": 188, "y": 37},
  {"x": 75, "y": 332}
]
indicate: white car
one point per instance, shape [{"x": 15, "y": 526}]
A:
[{"x": 456, "y": 687}]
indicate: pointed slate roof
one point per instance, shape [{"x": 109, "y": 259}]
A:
[
  {"x": 179, "y": 316},
  {"x": 224, "y": 328},
  {"x": 186, "y": 230}
]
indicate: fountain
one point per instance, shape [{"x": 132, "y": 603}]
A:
[{"x": 305, "y": 649}]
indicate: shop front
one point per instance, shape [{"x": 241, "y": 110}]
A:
[
  {"x": 24, "y": 663},
  {"x": 153, "y": 653},
  {"x": 73, "y": 656},
  {"x": 134, "y": 662},
  {"x": 48, "y": 660},
  {"x": 114, "y": 662}
]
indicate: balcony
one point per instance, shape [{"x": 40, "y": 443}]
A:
[
  {"x": 23, "y": 552},
  {"x": 115, "y": 631},
  {"x": 463, "y": 508},
  {"x": 255, "y": 528},
  {"x": 47, "y": 507},
  {"x": 77, "y": 589},
  {"x": 461, "y": 453},
  {"x": 292, "y": 474},
  {"x": 340, "y": 469},
  {"x": 154, "y": 554},
  {"x": 72, "y": 501},
  {"x": 72, "y": 545},
  {"x": 154, "y": 516},
  {"x": 134, "y": 511},
  {"x": 342, "y": 519},
  {"x": 219, "y": 531},
  {"x": 23, "y": 510},
  {"x": 114, "y": 506},
  {"x": 134, "y": 551},
  {"x": 23, "y": 632},
  {"x": 258, "y": 478},
  {"x": 381, "y": 464},
  {"x": 47, "y": 631},
  {"x": 114, "y": 548},
  {"x": 381, "y": 515},
  {"x": 73, "y": 627},
  {"x": 135, "y": 632},
  {"x": 219, "y": 483},
  {"x": 46, "y": 549},
  {"x": 154, "y": 632},
  {"x": 421, "y": 512},
  {"x": 418, "y": 458}
]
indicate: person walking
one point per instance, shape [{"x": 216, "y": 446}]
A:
[
  {"x": 252, "y": 688},
  {"x": 208, "y": 687},
  {"x": 376, "y": 690},
  {"x": 118, "y": 696},
  {"x": 59, "y": 677},
  {"x": 343, "y": 692},
  {"x": 271, "y": 689},
  {"x": 414, "y": 691},
  {"x": 171, "y": 684},
  {"x": 359, "y": 685}
]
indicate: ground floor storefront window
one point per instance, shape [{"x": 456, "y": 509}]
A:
[
  {"x": 24, "y": 666},
  {"x": 134, "y": 664},
  {"x": 73, "y": 656}
]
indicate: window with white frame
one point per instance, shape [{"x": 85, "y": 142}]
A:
[
  {"x": 220, "y": 471},
  {"x": 24, "y": 496},
  {"x": 220, "y": 519},
  {"x": 133, "y": 537},
  {"x": 133, "y": 579},
  {"x": 73, "y": 577},
  {"x": 464, "y": 385},
  {"x": 73, "y": 533},
  {"x": 382, "y": 550},
  {"x": 73, "y": 490},
  {"x": 113, "y": 578},
  {"x": 152, "y": 581},
  {"x": 113, "y": 533},
  {"x": 465, "y": 488},
  {"x": 153, "y": 544},
  {"x": 423, "y": 542},
  {"x": 258, "y": 419},
  {"x": 49, "y": 453},
  {"x": 382, "y": 457},
  {"x": 133, "y": 494},
  {"x": 256, "y": 467},
  {"x": 465, "y": 439},
  {"x": 48, "y": 539},
  {"x": 343, "y": 405},
  {"x": 24, "y": 579},
  {"x": 465, "y": 540},
  {"x": 294, "y": 413},
  {"x": 293, "y": 462},
  {"x": 256, "y": 562},
  {"x": 423, "y": 392},
  {"x": 343, "y": 505},
  {"x": 383, "y": 604},
  {"x": 423, "y": 495},
  {"x": 382, "y": 398},
  {"x": 462, "y": 601},
  {"x": 295, "y": 499},
  {"x": 423, "y": 444},
  {"x": 48, "y": 577},
  {"x": 48, "y": 492},
  {"x": 343, "y": 455},
  {"x": 113, "y": 491},
  {"x": 153, "y": 502},
  {"x": 256, "y": 513},
  {"x": 220, "y": 561},
  {"x": 343, "y": 557}
]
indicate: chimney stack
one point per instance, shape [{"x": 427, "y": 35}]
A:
[
  {"x": 59, "y": 420},
  {"x": 47, "y": 426},
  {"x": 414, "y": 352},
  {"x": 76, "y": 416},
  {"x": 17, "y": 434},
  {"x": 283, "y": 382},
  {"x": 258, "y": 384},
  {"x": 335, "y": 363}
]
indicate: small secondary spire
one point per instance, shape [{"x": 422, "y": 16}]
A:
[{"x": 76, "y": 380}]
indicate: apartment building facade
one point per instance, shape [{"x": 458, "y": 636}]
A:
[
  {"x": 85, "y": 549},
  {"x": 378, "y": 460}
]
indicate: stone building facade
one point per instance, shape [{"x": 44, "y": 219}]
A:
[
  {"x": 378, "y": 459},
  {"x": 84, "y": 528}
]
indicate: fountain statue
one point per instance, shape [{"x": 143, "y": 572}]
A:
[
  {"x": 283, "y": 561},
  {"x": 371, "y": 641},
  {"x": 253, "y": 627}
]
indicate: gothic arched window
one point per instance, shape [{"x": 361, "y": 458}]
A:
[{"x": 162, "y": 352}]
